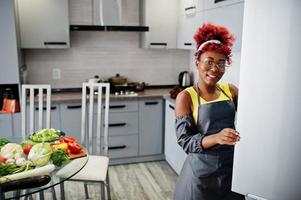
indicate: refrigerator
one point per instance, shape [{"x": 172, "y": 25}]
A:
[{"x": 267, "y": 160}]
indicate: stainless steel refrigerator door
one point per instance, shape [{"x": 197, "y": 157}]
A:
[{"x": 267, "y": 160}]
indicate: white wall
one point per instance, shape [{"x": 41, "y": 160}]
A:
[
  {"x": 105, "y": 54},
  {"x": 267, "y": 159}
]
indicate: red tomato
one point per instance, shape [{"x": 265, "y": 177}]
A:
[
  {"x": 26, "y": 149},
  {"x": 74, "y": 147},
  {"x": 67, "y": 139},
  {"x": 2, "y": 159}
]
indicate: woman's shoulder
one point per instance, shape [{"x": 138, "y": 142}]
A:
[
  {"x": 183, "y": 97},
  {"x": 183, "y": 103}
]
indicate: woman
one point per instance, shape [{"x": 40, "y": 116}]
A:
[{"x": 205, "y": 116}]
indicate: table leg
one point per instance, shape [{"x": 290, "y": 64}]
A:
[
  {"x": 41, "y": 195},
  {"x": 62, "y": 191}
]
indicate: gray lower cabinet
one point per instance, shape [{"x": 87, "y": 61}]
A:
[
  {"x": 71, "y": 119},
  {"x": 135, "y": 126},
  {"x": 6, "y": 128},
  {"x": 123, "y": 128},
  {"x": 10, "y": 124},
  {"x": 150, "y": 126}
]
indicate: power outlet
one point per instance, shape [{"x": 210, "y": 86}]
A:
[{"x": 56, "y": 73}]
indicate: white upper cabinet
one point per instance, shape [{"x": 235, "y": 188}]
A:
[
  {"x": 80, "y": 12},
  {"x": 230, "y": 16},
  {"x": 161, "y": 18},
  {"x": 44, "y": 24},
  {"x": 10, "y": 55},
  {"x": 189, "y": 19},
  {"x": 210, "y": 4}
]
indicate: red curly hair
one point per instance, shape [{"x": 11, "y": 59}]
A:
[{"x": 213, "y": 32}]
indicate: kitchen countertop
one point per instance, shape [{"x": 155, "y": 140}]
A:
[
  {"x": 77, "y": 96},
  {"x": 171, "y": 100}
]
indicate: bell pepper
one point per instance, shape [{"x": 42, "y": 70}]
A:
[
  {"x": 68, "y": 139},
  {"x": 74, "y": 148},
  {"x": 61, "y": 145}
]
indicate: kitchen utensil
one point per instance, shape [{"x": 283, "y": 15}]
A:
[
  {"x": 10, "y": 104},
  {"x": 184, "y": 79},
  {"x": 118, "y": 80}
]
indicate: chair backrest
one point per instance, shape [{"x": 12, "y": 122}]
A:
[
  {"x": 91, "y": 135},
  {"x": 40, "y": 101}
]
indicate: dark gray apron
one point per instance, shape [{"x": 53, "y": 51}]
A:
[{"x": 207, "y": 175}]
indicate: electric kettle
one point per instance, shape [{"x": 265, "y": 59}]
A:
[{"x": 184, "y": 79}]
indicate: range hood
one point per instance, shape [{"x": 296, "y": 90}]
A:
[{"x": 106, "y": 15}]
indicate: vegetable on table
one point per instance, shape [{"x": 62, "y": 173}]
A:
[
  {"x": 9, "y": 168},
  {"x": 61, "y": 145},
  {"x": 11, "y": 151},
  {"x": 67, "y": 139},
  {"x": 45, "y": 135},
  {"x": 60, "y": 157},
  {"x": 2, "y": 159},
  {"x": 74, "y": 147},
  {"x": 25, "y": 174},
  {"x": 40, "y": 154},
  {"x": 25, "y": 183},
  {"x": 3, "y": 141},
  {"x": 26, "y": 142},
  {"x": 26, "y": 149}
]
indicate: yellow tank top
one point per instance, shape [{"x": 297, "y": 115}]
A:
[{"x": 194, "y": 95}]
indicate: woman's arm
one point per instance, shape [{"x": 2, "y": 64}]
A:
[{"x": 187, "y": 134}]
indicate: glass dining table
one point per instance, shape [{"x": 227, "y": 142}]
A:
[{"x": 58, "y": 176}]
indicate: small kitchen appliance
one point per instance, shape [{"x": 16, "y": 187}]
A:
[{"x": 184, "y": 79}]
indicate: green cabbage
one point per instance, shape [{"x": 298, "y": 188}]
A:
[
  {"x": 45, "y": 135},
  {"x": 40, "y": 154}
]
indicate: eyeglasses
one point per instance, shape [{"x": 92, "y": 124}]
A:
[{"x": 209, "y": 64}]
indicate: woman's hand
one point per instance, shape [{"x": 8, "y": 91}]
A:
[{"x": 227, "y": 136}]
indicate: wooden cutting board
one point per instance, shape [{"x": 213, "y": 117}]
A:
[{"x": 82, "y": 153}]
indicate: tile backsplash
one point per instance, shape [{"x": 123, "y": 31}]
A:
[{"x": 105, "y": 54}]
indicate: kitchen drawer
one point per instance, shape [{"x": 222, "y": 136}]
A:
[
  {"x": 123, "y": 106},
  {"x": 123, "y": 146},
  {"x": 120, "y": 123},
  {"x": 123, "y": 123}
]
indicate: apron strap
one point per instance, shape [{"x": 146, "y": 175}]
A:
[{"x": 223, "y": 92}]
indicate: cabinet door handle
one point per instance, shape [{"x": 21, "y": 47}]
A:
[
  {"x": 117, "y": 124},
  {"x": 74, "y": 107},
  {"x": 217, "y": 1},
  {"x": 158, "y": 44},
  {"x": 172, "y": 107},
  {"x": 187, "y": 44},
  {"x": 117, "y": 106},
  {"x": 117, "y": 147},
  {"x": 55, "y": 43},
  {"x": 51, "y": 108},
  {"x": 189, "y": 8},
  {"x": 151, "y": 103}
]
